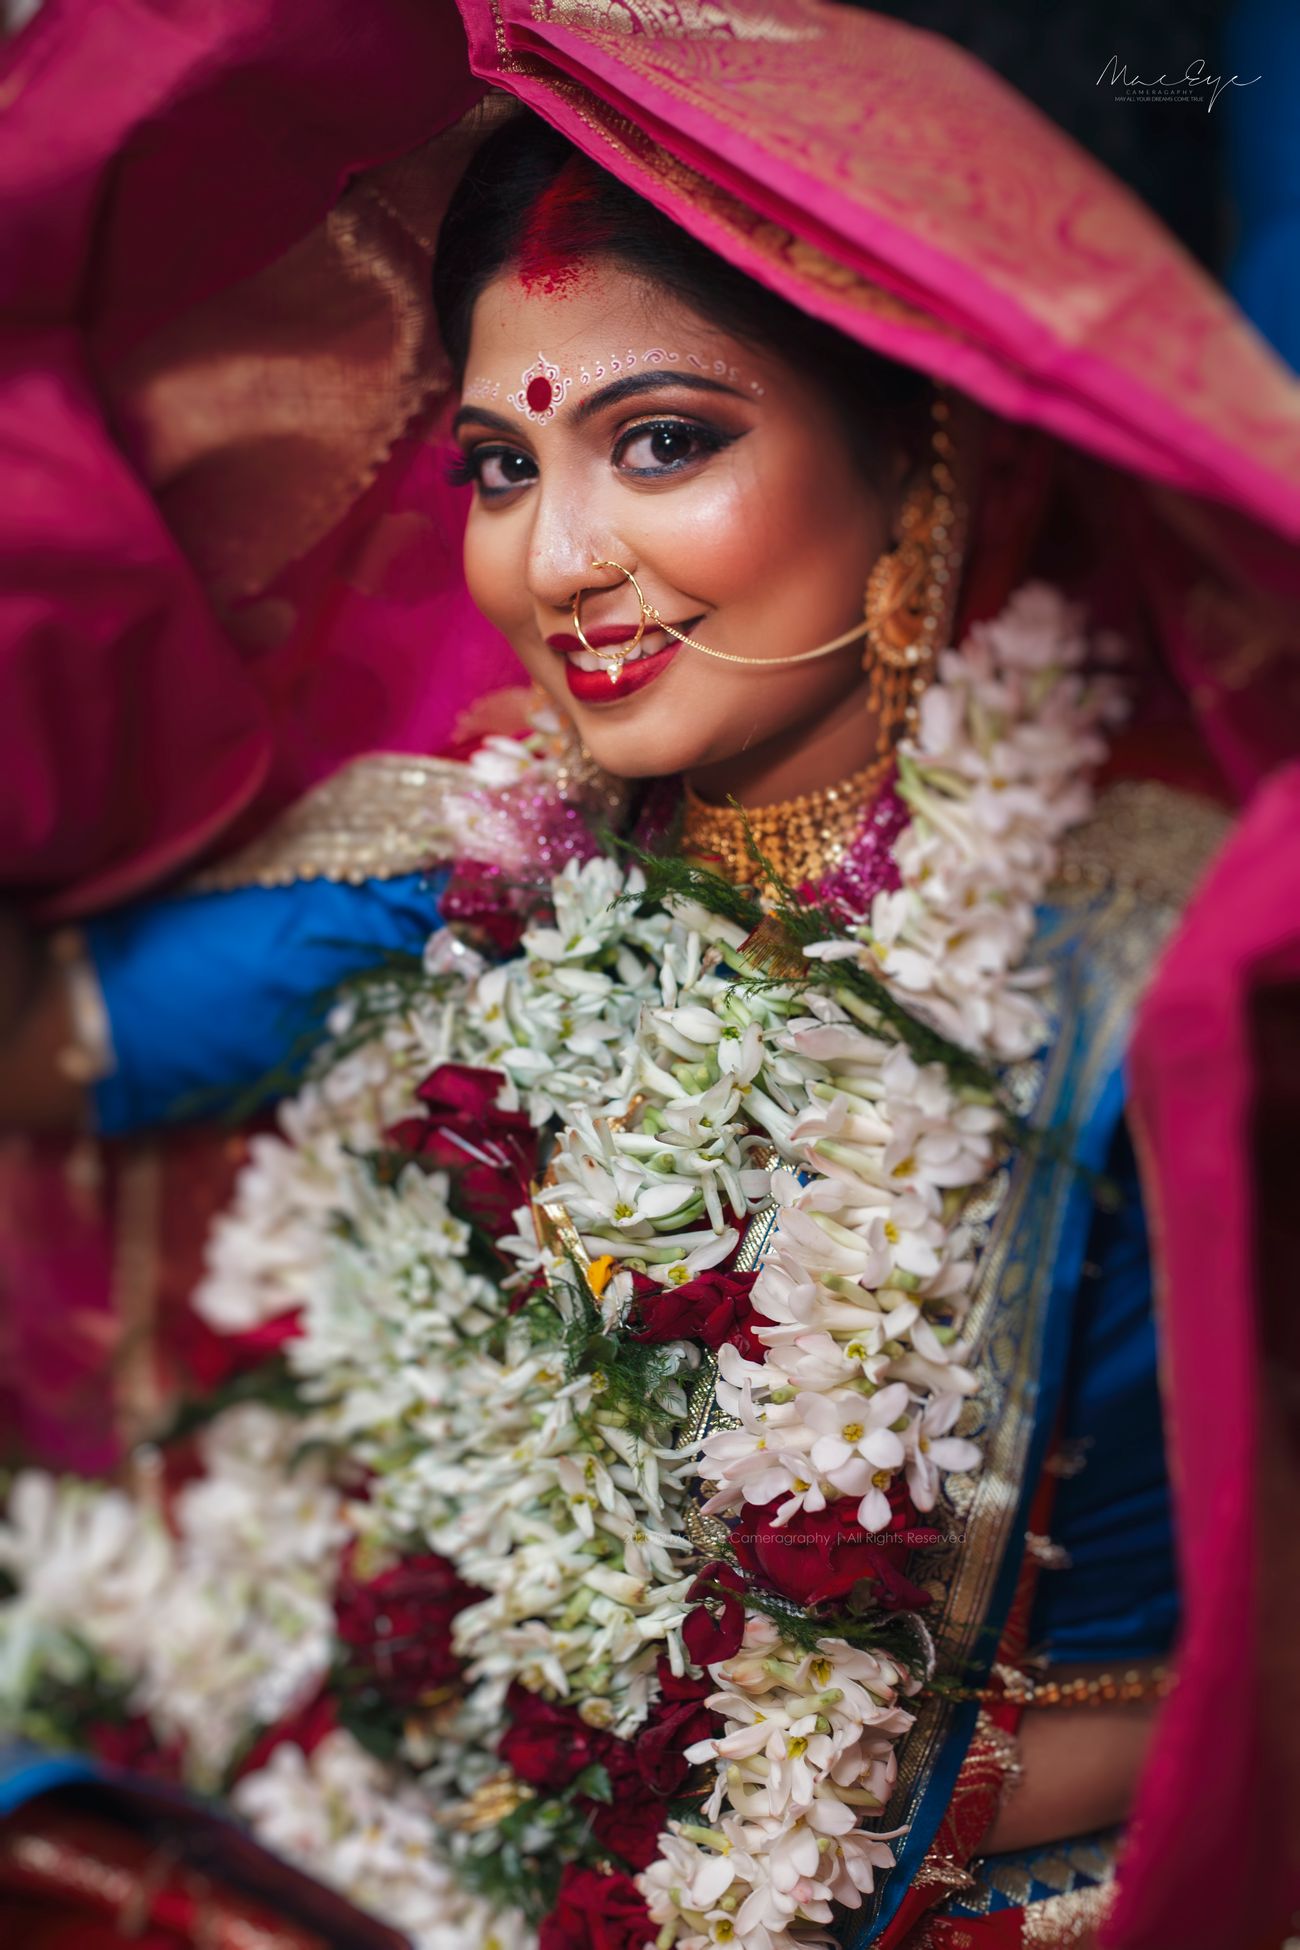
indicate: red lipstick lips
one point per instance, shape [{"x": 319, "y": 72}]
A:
[
  {"x": 594, "y": 686},
  {"x": 600, "y": 639}
]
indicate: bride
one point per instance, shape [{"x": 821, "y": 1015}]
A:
[{"x": 710, "y": 1483}]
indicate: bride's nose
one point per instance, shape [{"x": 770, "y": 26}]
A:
[{"x": 563, "y": 547}]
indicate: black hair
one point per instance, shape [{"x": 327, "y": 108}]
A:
[{"x": 487, "y": 227}]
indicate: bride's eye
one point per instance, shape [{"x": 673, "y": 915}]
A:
[
  {"x": 494, "y": 471},
  {"x": 666, "y": 446}
]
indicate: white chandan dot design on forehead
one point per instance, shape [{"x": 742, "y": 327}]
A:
[{"x": 544, "y": 386}]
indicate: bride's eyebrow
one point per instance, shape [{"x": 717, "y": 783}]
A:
[
  {"x": 647, "y": 382},
  {"x": 480, "y": 416}
]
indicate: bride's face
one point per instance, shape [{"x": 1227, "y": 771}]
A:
[{"x": 603, "y": 421}]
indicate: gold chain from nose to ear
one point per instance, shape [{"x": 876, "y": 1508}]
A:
[
  {"x": 617, "y": 654},
  {"x": 804, "y": 838},
  {"x": 656, "y": 622}
]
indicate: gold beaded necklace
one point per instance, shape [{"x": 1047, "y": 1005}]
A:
[{"x": 804, "y": 838}]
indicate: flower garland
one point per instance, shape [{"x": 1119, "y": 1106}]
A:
[{"x": 467, "y": 1526}]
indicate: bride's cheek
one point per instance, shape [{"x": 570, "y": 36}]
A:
[
  {"x": 705, "y": 541},
  {"x": 752, "y": 516},
  {"x": 494, "y": 583}
]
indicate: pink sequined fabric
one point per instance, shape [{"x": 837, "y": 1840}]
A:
[
  {"x": 868, "y": 867},
  {"x": 514, "y": 839}
]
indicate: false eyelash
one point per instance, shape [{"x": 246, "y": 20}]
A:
[{"x": 671, "y": 423}]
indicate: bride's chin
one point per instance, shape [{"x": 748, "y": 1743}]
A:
[
  {"x": 671, "y": 725},
  {"x": 645, "y": 741}
]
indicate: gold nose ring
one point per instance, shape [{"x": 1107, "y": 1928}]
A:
[{"x": 616, "y": 654}]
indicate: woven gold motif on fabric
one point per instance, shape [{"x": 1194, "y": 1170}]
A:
[
  {"x": 795, "y": 264},
  {"x": 1061, "y": 1920},
  {"x": 695, "y": 18},
  {"x": 1072, "y": 1867},
  {"x": 1146, "y": 838}
]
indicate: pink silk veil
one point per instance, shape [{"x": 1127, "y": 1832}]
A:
[
  {"x": 228, "y": 565},
  {"x": 1214, "y": 1098},
  {"x": 215, "y": 336}
]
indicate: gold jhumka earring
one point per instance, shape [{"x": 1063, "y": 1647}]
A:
[{"x": 911, "y": 593}]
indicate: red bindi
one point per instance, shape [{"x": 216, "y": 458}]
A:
[{"x": 541, "y": 389}]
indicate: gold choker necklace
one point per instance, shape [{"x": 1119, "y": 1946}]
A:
[{"x": 804, "y": 838}]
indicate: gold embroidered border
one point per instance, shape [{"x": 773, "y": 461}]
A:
[
  {"x": 382, "y": 815},
  {"x": 1006, "y": 1323}
]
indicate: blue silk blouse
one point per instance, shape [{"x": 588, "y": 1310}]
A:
[
  {"x": 205, "y": 993},
  {"x": 1118, "y": 1598}
]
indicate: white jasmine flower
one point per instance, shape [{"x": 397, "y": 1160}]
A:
[
  {"x": 344, "y": 1817},
  {"x": 90, "y": 1566},
  {"x": 855, "y": 1439},
  {"x": 930, "y": 1449}
]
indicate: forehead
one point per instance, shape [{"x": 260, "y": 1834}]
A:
[{"x": 600, "y": 311}]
